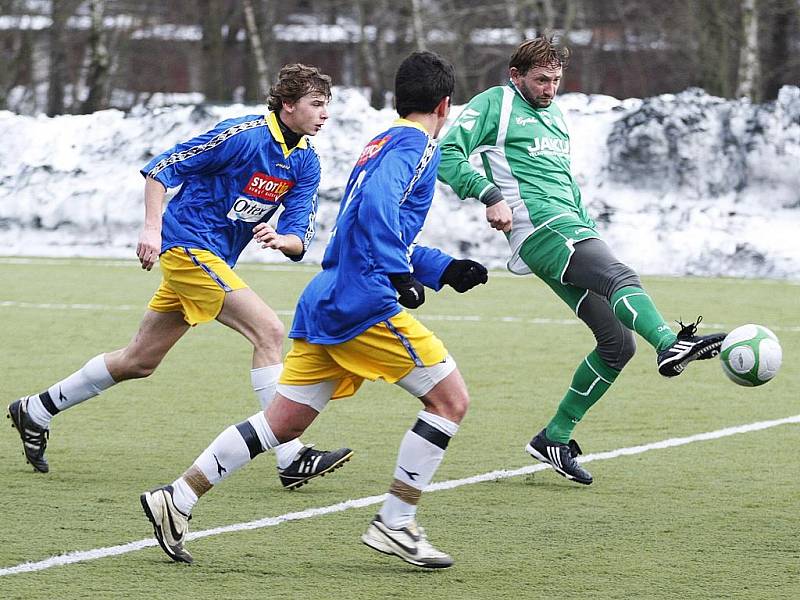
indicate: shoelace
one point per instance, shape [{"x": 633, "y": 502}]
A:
[{"x": 688, "y": 331}]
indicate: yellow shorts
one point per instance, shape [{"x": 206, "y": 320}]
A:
[
  {"x": 195, "y": 283},
  {"x": 389, "y": 350}
]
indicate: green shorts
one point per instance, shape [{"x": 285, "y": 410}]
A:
[{"x": 548, "y": 250}]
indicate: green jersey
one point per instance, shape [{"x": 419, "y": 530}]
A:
[{"x": 525, "y": 153}]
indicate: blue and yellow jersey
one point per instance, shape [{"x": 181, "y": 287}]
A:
[
  {"x": 383, "y": 209},
  {"x": 232, "y": 178}
]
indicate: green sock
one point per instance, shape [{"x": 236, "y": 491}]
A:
[
  {"x": 635, "y": 309},
  {"x": 591, "y": 380}
]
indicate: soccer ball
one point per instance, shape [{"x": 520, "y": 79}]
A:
[{"x": 751, "y": 355}]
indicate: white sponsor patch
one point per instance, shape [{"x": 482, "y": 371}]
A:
[{"x": 248, "y": 209}]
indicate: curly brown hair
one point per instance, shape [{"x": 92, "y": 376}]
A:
[
  {"x": 295, "y": 81},
  {"x": 538, "y": 52}
]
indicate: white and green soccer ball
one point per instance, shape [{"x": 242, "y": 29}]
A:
[{"x": 751, "y": 355}]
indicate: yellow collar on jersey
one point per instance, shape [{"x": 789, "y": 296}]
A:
[
  {"x": 409, "y": 123},
  {"x": 275, "y": 130}
]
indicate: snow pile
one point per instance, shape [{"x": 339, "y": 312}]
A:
[{"x": 679, "y": 184}]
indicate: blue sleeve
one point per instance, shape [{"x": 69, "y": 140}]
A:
[
  {"x": 379, "y": 211},
  {"x": 210, "y": 153},
  {"x": 429, "y": 264},
  {"x": 300, "y": 206}
]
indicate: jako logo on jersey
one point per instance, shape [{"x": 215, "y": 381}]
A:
[
  {"x": 467, "y": 119},
  {"x": 267, "y": 187},
  {"x": 282, "y": 166},
  {"x": 522, "y": 121},
  {"x": 546, "y": 145},
  {"x": 371, "y": 150},
  {"x": 248, "y": 209}
]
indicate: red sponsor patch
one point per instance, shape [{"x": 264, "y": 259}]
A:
[
  {"x": 267, "y": 187},
  {"x": 371, "y": 150}
]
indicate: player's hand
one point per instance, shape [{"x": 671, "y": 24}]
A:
[
  {"x": 499, "y": 216},
  {"x": 266, "y": 235},
  {"x": 411, "y": 292},
  {"x": 148, "y": 248},
  {"x": 464, "y": 274}
]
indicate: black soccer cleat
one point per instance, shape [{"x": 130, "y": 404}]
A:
[
  {"x": 688, "y": 347},
  {"x": 34, "y": 438},
  {"x": 559, "y": 456},
  {"x": 312, "y": 463}
]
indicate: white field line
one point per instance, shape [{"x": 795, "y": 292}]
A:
[
  {"x": 423, "y": 317},
  {"x": 313, "y": 268},
  {"x": 97, "y": 553}
]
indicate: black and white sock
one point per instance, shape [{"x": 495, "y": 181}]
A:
[
  {"x": 421, "y": 453},
  {"x": 87, "y": 382}
]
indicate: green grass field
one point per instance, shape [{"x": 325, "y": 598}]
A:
[{"x": 707, "y": 519}]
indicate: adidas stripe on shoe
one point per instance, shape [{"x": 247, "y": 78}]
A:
[
  {"x": 312, "y": 463},
  {"x": 686, "y": 348},
  {"x": 559, "y": 456}
]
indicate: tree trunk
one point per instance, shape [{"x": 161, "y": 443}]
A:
[
  {"x": 57, "y": 76},
  {"x": 256, "y": 48},
  {"x": 749, "y": 71},
  {"x": 372, "y": 52},
  {"x": 212, "y": 50},
  {"x": 416, "y": 23},
  {"x": 99, "y": 63}
]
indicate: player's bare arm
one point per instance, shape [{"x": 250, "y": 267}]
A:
[
  {"x": 289, "y": 244},
  {"x": 149, "y": 246}
]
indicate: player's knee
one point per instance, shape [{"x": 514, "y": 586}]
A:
[
  {"x": 618, "y": 352},
  {"x": 270, "y": 334},
  {"x": 454, "y": 405}
]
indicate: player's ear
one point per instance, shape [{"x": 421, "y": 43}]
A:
[{"x": 443, "y": 108}]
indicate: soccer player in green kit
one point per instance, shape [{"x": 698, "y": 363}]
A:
[{"x": 530, "y": 194}]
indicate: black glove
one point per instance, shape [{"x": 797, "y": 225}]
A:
[
  {"x": 464, "y": 274},
  {"x": 411, "y": 291}
]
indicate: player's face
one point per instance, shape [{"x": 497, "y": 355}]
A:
[
  {"x": 307, "y": 115},
  {"x": 539, "y": 85}
]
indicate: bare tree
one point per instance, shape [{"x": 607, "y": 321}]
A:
[
  {"x": 780, "y": 23},
  {"x": 416, "y": 25},
  {"x": 97, "y": 79},
  {"x": 749, "y": 67},
  {"x": 254, "y": 37},
  {"x": 212, "y": 49},
  {"x": 60, "y": 12},
  {"x": 372, "y": 47}
]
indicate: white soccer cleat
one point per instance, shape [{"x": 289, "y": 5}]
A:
[
  {"x": 409, "y": 543},
  {"x": 169, "y": 524}
]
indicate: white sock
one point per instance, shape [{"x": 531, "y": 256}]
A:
[
  {"x": 265, "y": 382},
  {"x": 85, "y": 383},
  {"x": 421, "y": 453},
  {"x": 235, "y": 447},
  {"x": 183, "y": 496}
]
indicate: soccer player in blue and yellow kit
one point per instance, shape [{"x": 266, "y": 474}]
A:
[
  {"x": 349, "y": 326},
  {"x": 232, "y": 180}
]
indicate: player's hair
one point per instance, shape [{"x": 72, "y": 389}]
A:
[
  {"x": 421, "y": 81},
  {"x": 538, "y": 52},
  {"x": 295, "y": 81}
]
